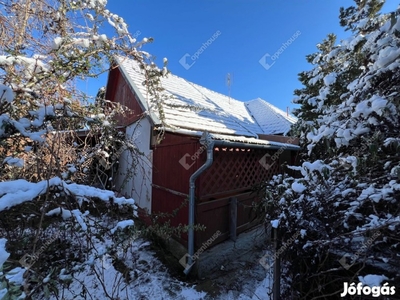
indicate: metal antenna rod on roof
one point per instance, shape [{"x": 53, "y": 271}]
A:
[{"x": 228, "y": 83}]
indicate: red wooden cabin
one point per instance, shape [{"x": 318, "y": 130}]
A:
[{"x": 244, "y": 137}]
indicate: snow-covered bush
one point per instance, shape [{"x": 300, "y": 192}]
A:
[
  {"x": 50, "y": 208},
  {"x": 345, "y": 199}
]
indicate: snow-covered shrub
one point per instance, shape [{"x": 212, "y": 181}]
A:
[
  {"x": 48, "y": 169},
  {"x": 53, "y": 225}
]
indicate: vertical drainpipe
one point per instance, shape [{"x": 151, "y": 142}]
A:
[{"x": 207, "y": 142}]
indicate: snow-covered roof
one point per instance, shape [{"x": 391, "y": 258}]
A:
[
  {"x": 271, "y": 119},
  {"x": 192, "y": 107}
]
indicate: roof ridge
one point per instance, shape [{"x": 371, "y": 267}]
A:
[
  {"x": 253, "y": 117},
  {"x": 279, "y": 112}
]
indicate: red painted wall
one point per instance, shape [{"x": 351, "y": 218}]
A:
[
  {"x": 119, "y": 91},
  {"x": 233, "y": 173},
  {"x": 170, "y": 174}
]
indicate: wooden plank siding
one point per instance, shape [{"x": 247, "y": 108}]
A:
[
  {"x": 169, "y": 174},
  {"x": 120, "y": 91},
  {"x": 234, "y": 173},
  {"x": 215, "y": 216}
]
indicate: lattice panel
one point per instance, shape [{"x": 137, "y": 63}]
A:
[{"x": 237, "y": 169}]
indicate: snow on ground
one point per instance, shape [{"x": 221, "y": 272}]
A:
[
  {"x": 140, "y": 276},
  {"x": 372, "y": 280},
  {"x": 149, "y": 278},
  {"x": 134, "y": 271}
]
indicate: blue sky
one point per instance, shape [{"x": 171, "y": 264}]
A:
[{"x": 245, "y": 31}]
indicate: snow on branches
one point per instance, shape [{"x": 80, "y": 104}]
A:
[
  {"x": 46, "y": 47},
  {"x": 348, "y": 184}
]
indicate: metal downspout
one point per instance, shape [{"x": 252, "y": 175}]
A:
[
  {"x": 207, "y": 141},
  {"x": 192, "y": 185}
]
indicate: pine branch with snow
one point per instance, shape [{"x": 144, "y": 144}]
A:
[{"x": 347, "y": 190}]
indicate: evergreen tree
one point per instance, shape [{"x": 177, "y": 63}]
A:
[{"x": 348, "y": 190}]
